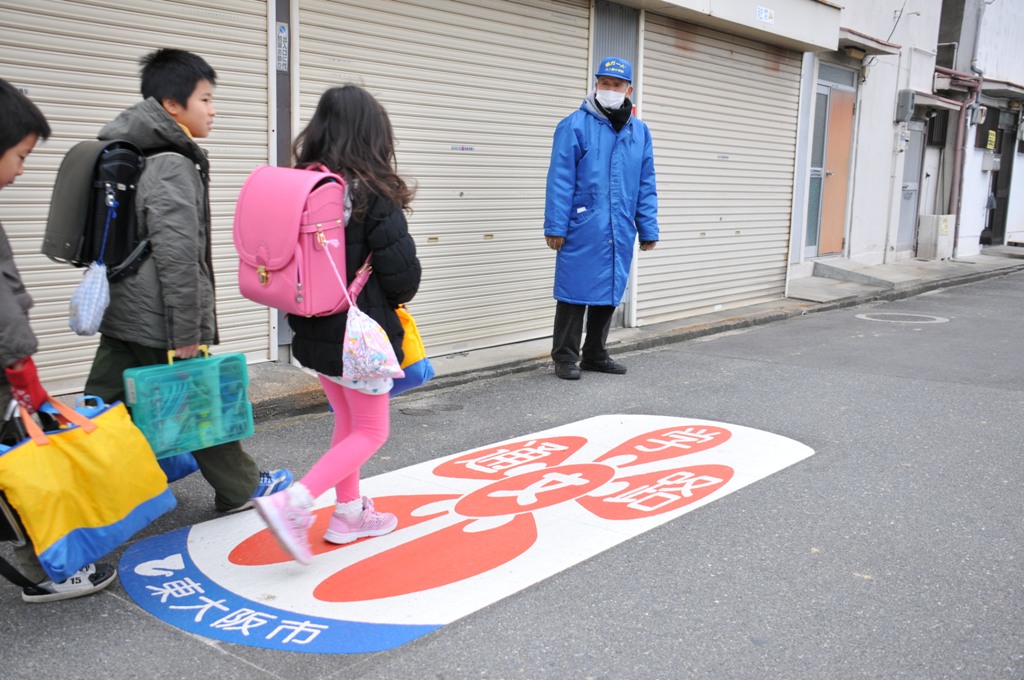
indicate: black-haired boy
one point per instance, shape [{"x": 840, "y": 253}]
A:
[{"x": 170, "y": 302}]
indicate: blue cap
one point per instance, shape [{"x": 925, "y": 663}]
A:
[{"x": 615, "y": 68}]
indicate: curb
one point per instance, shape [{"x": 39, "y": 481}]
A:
[{"x": 303, "y": 393}]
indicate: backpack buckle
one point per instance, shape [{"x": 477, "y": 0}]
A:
[{"x": 263, "y": 274}]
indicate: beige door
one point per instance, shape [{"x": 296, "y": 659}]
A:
[
  {"x": 837, "y": 171},
  {"x": 830, "y": 170}
]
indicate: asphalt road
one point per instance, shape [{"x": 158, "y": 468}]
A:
[{"x": 895, "y": 551}]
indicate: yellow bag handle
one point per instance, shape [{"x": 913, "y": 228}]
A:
[
  {"x": 204, "y": 349},
  {"x": 412, "y": 343}
]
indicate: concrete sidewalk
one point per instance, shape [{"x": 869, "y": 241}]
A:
[{"x": 278, "y": 389}]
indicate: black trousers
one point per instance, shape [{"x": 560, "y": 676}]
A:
[{"x": 565, "y": 345}]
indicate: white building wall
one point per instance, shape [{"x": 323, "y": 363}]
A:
[
  {"x": 870, "y": 17},
  {"x": 919, "y": 63},
  {"x": 878, "y": 163},
  {"x": 1001, "y": 49},
  {"x": 1015, "y": 209},
  {"x": 973, "y": 208}
]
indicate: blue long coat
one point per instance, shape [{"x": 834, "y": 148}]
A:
[{"x": 600, "y": 194}]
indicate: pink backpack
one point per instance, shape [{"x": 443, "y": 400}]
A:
[{"x": 290, "y": 236}]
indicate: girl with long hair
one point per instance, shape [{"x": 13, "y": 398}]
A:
[{"x": 350, "y": 134}]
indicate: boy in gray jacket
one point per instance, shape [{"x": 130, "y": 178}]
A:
[
  {"x": 24, "y": 125},
  {"x": 169, "y": 302}
]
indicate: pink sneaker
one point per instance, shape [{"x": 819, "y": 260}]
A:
[
  {"x": 372, "y": 523},
  {"x": 289, "y": 524}
]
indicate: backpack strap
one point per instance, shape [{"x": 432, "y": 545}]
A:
[
  {"x": 353, "y": 290},
  {"x": 133, "y": 260},
  {"x": 359, "y": 281}
]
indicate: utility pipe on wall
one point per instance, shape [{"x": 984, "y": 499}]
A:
[{"x": 972, "y": 82}]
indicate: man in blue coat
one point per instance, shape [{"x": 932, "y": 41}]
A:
[{"x": 601, "y": 195}]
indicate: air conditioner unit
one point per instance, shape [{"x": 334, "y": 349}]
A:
[
  {"x": 935, "y": 237},
  {"x": 979, "y": 115}
]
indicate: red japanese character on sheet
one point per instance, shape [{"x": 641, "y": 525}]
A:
[
  {"x": 665, "y": 444},
  {"x": 657, "y": 492},
  {"x": 496, "y": 462}
]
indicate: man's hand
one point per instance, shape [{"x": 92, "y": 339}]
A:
[
  {"x": 25, "y": 386},
  {"x": 647, "y": 245},
  {"x": 188, "y": 352},
  {"x": 555, "y": 242}
]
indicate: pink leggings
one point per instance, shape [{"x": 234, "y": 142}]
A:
[{"x": 362, "y": 423}]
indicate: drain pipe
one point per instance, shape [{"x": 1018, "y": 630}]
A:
[{"x": 959, "y": 151}]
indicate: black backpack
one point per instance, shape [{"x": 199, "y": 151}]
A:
[{"x": 92, "y": 212}]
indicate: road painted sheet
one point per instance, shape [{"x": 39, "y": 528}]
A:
[{"x": 473, "y": 528}]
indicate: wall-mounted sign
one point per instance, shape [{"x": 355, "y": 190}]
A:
[{"x": 282, "y": 47}]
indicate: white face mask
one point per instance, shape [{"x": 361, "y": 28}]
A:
[{"x": 610, "y": 99}]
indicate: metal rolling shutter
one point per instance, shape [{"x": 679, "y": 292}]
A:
[
  {"x": 79, "y": 63},
  {"x": 723, "y": 114},
  {"x": 474, "y": 91}
]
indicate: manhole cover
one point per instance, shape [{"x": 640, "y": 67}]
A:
[{"x": 897, "y": 317}]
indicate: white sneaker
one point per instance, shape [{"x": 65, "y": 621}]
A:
[
  {"x": 288, "y": 522},
  {"x": 90, "y": 579},
  {"x": 342, "y": 530}
]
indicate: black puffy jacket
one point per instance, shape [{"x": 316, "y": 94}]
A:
[{"x": 395, "y": 279}]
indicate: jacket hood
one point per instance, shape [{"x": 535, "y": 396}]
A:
[
  {"x": 590, "y": 106},
  {"x": 150, "y": 127}
]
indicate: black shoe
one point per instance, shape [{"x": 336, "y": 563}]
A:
[
  {"x": 609, "y": 365},
  {"x": 567, "y": 370}
]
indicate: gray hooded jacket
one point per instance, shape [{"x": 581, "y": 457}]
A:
[
  {"x": 169, "y": 302},
  {"x": 16, "y": 337}
]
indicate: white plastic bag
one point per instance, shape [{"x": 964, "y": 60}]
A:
[{"x": 90, "y": 300}]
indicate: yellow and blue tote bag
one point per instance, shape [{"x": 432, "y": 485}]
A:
[
  {"x": 85, "y": 489},
  {"x": 415, "y": 363}
]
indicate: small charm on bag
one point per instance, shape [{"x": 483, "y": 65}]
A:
[{"x": 90, "y": 300}]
